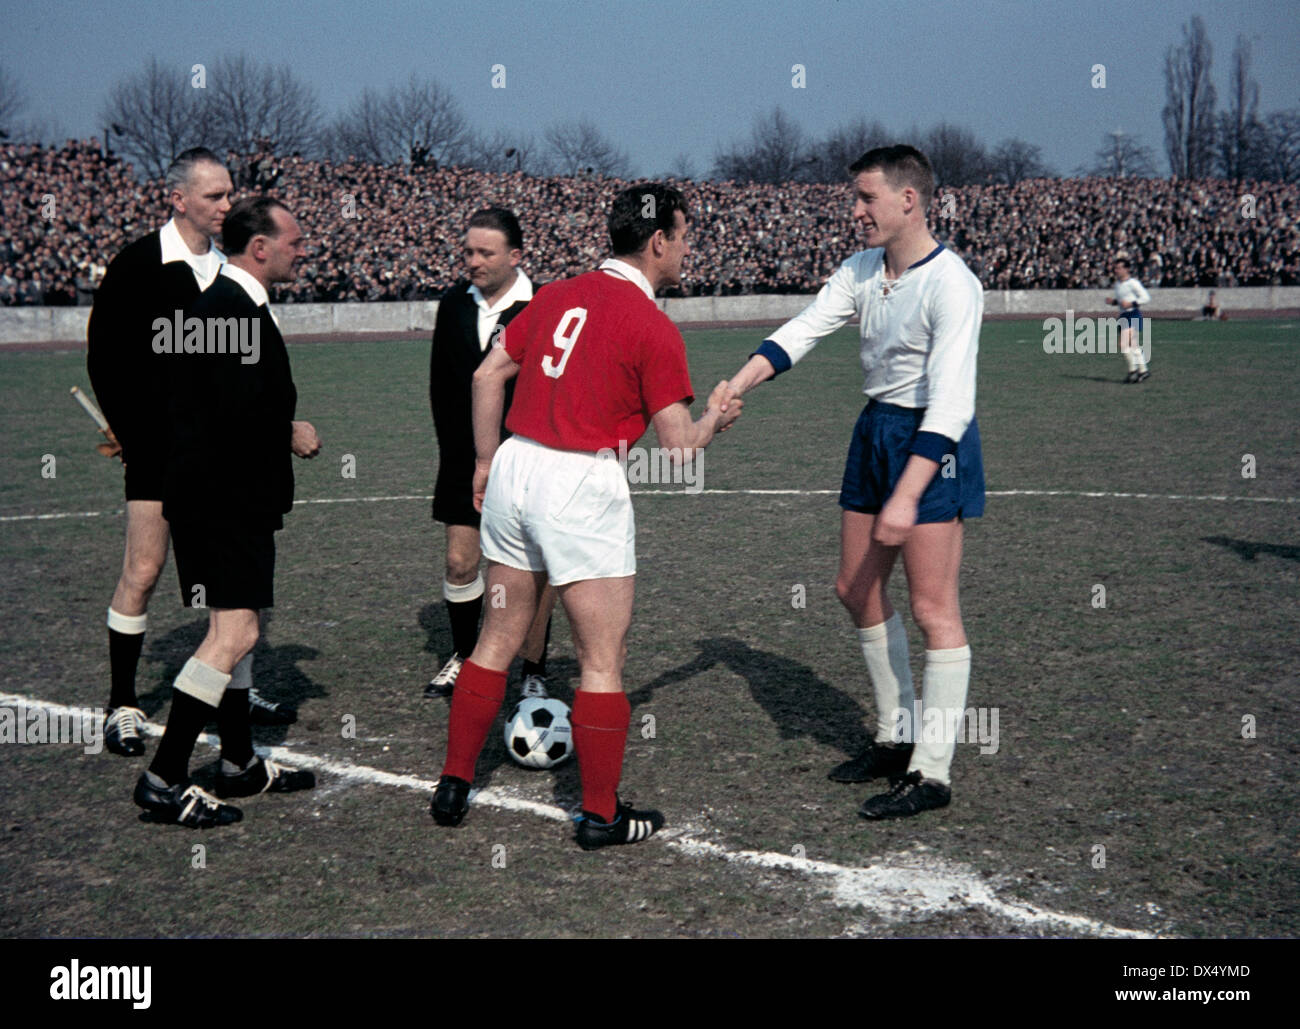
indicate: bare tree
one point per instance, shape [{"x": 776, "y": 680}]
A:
[
  {"x": 682, "y": 168},
  {"x": 262, "y": 107},
  {"x": 359, "y": 131},
  {"x": 957, "y": 157},
  {"x": 776, "y": 151},
  {"x": 831, "y": 157},
  {"x": 156, "y": 113},
  {"x": 504, "y": 152},
  {"x": 417, "y": 120},
  {"x": 575, "y": 147},
  {"x": 1189, "y": 104},
  {"x": 12, "y": 101},
  {"x": 1121, "y": 157},
  {"x": 1014, "y": 160},
  {"x": 1281, "y": 160},
  {"x": 423, "y": 114},
  {"x": 1241, "y": 136}
]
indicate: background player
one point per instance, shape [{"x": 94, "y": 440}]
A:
[
  {"x": 468, "y": 316},
  {"x": 153, "y": 277},
  {"x": 597, "y": 361},
  {"x": 1129, "y": 296},
  {"x": 919, "y": 311},
  {"x": 229, "y": 484}
]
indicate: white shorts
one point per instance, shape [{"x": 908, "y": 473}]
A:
[{"x": 565, "y": 512}]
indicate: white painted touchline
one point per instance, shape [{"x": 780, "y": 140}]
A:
[
  {"x": 743, "y": 492},
  {"x": 906, "y": 887}
]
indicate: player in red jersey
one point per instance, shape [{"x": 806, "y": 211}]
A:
[{"x": 597, "y": 363}]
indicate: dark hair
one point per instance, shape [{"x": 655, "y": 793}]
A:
[
  {"x": 501, "y": 219},
  {"x": 249, "y": 217},
  {"x": 902, "y": 166},
  {"x": 639, "y": 212},
  {"x": 178, "y": 172}
]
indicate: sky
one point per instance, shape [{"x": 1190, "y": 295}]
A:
[{"x": 671, "y": 78}]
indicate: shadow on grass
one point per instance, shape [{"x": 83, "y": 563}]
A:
[
  {"x": 276, "y": 674},
  {"x": 1248, "y": 551},
  {"x": 799, "y": 703}
]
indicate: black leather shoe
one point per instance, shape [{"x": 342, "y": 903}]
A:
[
  {"x": 450, "y": 800},
  {"x": 184, "y": 804},
  {"x": 629, "y": 826},
  {"x": 910, "y": 795},
  {"x": 264, "y": 777},
  {"x": 122, "y": 731},
  {"x": 876, "y": 762}
]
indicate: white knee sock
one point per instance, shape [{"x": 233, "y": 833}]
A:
[
  {"x": 943, "y": 689},
  {"x": 884, "y": 647},
  {"x": 203, "y": 682}
]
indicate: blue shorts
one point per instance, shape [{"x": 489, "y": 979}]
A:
[
  {"x": 1131, "y": 319},
  {"x": 882, "y": 443}
]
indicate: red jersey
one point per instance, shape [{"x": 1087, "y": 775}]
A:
[{"x": 597, "y": 361}]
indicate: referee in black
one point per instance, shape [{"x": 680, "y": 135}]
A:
[
  {"x": 229, "y": 483},
  {"x": 151, "y": 278},
  {"x": 470, "y": 316}
]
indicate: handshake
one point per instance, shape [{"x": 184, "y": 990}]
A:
[{"x": 725, "y": 400}]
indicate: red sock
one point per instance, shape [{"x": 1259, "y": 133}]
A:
[
  {"x": 474, "y": 706},
  {"x": 600, "y": 723}
]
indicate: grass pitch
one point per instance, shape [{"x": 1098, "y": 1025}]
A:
[{"x": 1146, "y": 769}]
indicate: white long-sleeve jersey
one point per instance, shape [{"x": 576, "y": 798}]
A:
[
  {"x": 1131, "y": 290},
  {"x": 919, "y": 340}
]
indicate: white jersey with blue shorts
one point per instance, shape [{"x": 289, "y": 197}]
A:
[
  {"x": 919, "y": 340},
  {"x": 1132, "y": 291}
]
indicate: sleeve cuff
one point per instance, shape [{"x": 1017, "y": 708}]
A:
[
  {"x": 775, "y": 354},
  {"x": 933, "y": 445}
]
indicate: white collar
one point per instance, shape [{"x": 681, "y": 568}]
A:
[
  {"x": 174, "y": 248},
  {"x": 632, "y": 274},
  {"x": 255, "y": 290},
  {"x": 521, "y": 289}
]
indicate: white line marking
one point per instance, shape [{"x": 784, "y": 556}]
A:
[
  {"x": 899, "y": 888},
  {"x": 746, "y": 492}
]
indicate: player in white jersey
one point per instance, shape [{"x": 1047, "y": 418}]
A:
[
  {"x": 1129, "y": 298},
  {"x": 914, "y": 469}
]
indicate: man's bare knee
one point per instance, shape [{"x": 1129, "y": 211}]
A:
[
  {"x": 141, "y": 572},
  {"x": 461, "y": 570},
  {"x": 935, "y": 616}
]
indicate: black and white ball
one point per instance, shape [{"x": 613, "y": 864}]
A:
[{"x": 538, "y": 733}]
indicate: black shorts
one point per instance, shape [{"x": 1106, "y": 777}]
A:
[
  {"x": 146, "y": 474},
  {"x": 453, "y": 494},
  {"x": 234, "y": 569}
]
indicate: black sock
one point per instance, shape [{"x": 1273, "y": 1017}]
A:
[
  {"x": 539, "y": 667},
  {"x": 188, "y": 717},
  {"x": 464, "y": 616},
  {"x": 123, "y": 656},
  {"x": 235, "y": 725}
]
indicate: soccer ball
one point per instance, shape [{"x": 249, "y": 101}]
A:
[{"x": 538, "y": 734}]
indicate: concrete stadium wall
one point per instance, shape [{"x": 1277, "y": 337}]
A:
[{"x": 68, "y": 324}]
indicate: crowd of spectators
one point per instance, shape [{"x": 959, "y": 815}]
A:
[{"x": 380, "y": 232}]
